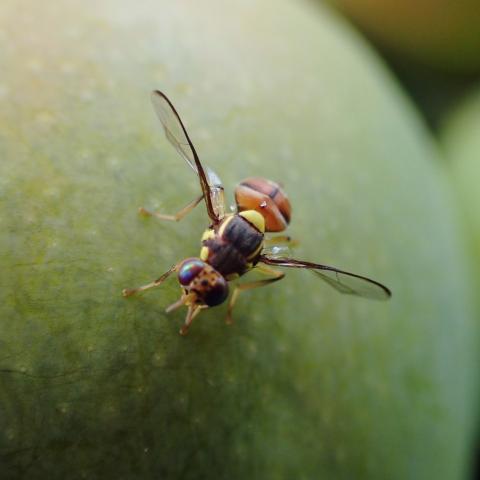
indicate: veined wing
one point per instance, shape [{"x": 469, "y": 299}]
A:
[
  {"x": 345, "y": 282},
  {"x": 177, "y": 135}
]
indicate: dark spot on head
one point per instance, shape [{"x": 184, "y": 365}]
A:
[
  {"x": 204, "y": 282},
  {"x": 217, "y": 293}
]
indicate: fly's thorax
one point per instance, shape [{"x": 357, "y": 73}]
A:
[
  {"x": 202, "y": 284},
  {"x": 234, "y": 246}
]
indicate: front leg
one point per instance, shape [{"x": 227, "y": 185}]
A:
[
  {"x": 193, "y": 311},
  {"x": 128, "y": 292}
]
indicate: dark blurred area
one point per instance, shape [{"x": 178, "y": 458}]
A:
[
  {"x": 436, "y": 93},
  {"x": 444, "y": 34},
  {"x": 433, "y": 47}
]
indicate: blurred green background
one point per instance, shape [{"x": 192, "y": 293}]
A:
[{"x": 367, "y": 111}]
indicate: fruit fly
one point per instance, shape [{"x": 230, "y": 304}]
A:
[{"x": 235, "y": 243}]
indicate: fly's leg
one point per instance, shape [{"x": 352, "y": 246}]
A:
[
  {"x": 127, "y": 292},
  {"x": 193, "y": 311},
  {"x": 174, "y": 218},
  {"x": 281, "y": 240},
  {"x": 248, "y": 286}
]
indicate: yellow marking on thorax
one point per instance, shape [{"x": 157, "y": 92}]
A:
[
  {"x": 208, "y": 234},
  {"x": 255, "y": 218},
  {"x": 204, "y": 251},
  {"x": 256, "y": 252},
  {"x": 225, "y": 222}
]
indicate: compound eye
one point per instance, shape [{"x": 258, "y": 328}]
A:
[
  {"x": 189, "y": 270},
  {"x": 217, "y": 293}
]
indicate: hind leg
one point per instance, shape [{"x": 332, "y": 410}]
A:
[
  {"x": 281, "y": 240},
  {"x": 249, "y": 286},
  {"x": 177, "y": 216}
]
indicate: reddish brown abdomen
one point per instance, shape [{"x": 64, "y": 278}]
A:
[{"x": 267, "y": 198}]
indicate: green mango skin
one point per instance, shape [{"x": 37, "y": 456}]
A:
[
  {"x": 437, "y": 33},
  {"x": 307, "y": 383},
  {"x": 460, "y": 138}
]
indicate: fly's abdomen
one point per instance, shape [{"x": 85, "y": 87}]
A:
[{"x": 234, "y": 247}]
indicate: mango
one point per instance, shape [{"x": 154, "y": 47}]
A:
[{"x": 306, "y": 383}]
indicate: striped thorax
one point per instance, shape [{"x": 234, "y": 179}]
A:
[{"x": 234, "y": 245}]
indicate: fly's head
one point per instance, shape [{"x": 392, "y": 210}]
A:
[{"x": 202, "y": 285}]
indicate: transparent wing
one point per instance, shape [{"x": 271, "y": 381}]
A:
[
  {"x": 345, "y": 282},
  {"x": 277, "y": 251},
  {"x": 177, "y": 135},
  {"x": 217, "y": 195},
  {"x": 174, "y": 129}
]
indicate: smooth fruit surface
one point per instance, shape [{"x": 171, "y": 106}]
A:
[{"x": 461, "y": 141}]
